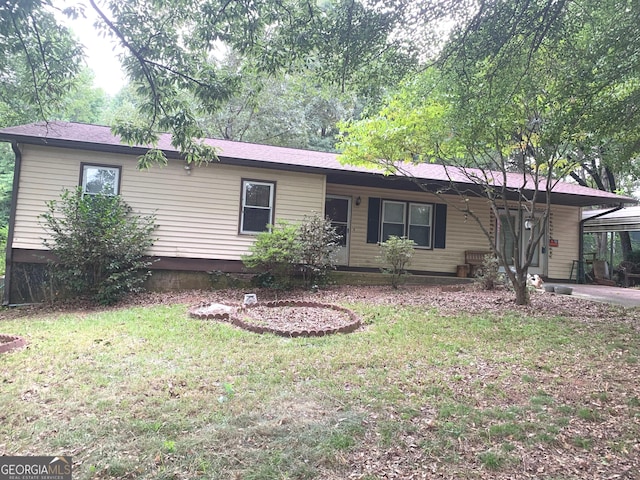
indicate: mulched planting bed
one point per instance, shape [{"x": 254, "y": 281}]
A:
[
  {"x": 286, "y": 318},
  {"x": 10, "y": 342},
  {"x": 293, "y": 319}
]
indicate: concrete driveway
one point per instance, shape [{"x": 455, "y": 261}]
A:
[{"x": 627, "y": 297}]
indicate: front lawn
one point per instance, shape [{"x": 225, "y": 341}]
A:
[{"x": 428, "y": 388}]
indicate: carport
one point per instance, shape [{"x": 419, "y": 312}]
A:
[{"x": 609, "y": 222}]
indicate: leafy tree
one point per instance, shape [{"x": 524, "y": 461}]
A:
[
  {"x": 606, "y": 67},
  {"x": 170, "y": 50},
  {"x": 121, "y": 106},
  {"x": 286, "y": 109},
  {"x": 355, "y": 45},
  {"x": 502, "y": 101},
  {"x": 99, "y": 245},
  {"x": 83, "y": 102},
  {"x": 6, "y": 182}
]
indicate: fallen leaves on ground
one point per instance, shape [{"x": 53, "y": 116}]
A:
[{"x": 598, "y": 441}]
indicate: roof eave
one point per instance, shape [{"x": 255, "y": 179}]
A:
[
  {"x": 74, "y": 144},
  {"x": 346, "y": 177}
]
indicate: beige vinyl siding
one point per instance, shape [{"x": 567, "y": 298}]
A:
[
  {"x": 197, "y": 214},
  {"x": 564, "y": 227},
  {"x": 461, "y": 235}
]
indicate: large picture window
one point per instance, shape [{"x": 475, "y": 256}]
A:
[
  {"x": 100, "y": 179},
  {"x": 257, "y": 206},
  {"x": 405, "y": 219}
]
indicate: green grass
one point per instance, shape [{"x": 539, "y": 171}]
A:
[
  {"x": 492, "y": 460},
  {"x": 150, "y": 392}
]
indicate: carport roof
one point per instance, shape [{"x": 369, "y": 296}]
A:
[
  {"x": 624, "y": 220},
  {"x": 100, "y": 138}
]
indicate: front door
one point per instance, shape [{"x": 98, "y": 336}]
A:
[
  {"x": 338, "y": 211},
  {"x": 525, "y": 230}
]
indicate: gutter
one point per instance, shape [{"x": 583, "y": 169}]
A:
[
  {"x": 580, "y": 274},
  {"x": 12, "y": 221}
]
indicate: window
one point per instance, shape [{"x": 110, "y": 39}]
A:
[
  {"x": 393, "y": 219},
  {"x": 420, "y": 224},
  {"x": 100, "y": 179},
  {"x": 257, "y": 206},
  {"x": 411, "y": 220}
]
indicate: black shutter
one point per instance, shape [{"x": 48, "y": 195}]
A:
[
  {"x": 440, "y": 226},
  {"x": 373, "y": 220}
]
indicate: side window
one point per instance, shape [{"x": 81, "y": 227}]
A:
[
  {"x": 100, "y": 179},
  {"x": 257, "y": 206}
]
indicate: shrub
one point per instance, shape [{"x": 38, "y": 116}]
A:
[
  {"x": 99, "y": 246},
  {"x": 488, "y": 275},
  {"x": 319, "y": 243},
  {"x": 274, "y": 255},
  {"x": 278, "y": 254},
  {"x": 396, "y": 255}
]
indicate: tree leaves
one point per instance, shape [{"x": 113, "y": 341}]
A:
[
  {"x": 172, "y": 50},
  {"x": 38, "y": 61}
]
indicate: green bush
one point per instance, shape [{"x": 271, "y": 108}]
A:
[
  {"x": 274, "y": 255},
  {"x": 308, "y": 248},
  {"x": 99, "y": 246},
  {"x": 319, "y": 243},
  {"x": 396, "y": 254}
]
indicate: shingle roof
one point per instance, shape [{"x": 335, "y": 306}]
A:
[{"x": 98, "y": 137}]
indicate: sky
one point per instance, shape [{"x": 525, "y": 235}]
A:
[{"x": 100, "y": 55}]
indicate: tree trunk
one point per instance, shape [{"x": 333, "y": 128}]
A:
[
  {"x": 625, "y": 242},
  {"x": 602, "y": 246},
  {"x": 522, "y": 292}
]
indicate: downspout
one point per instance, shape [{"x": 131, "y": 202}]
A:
[
  {"x": 12, "y": 222},
  {"x": 580, "y": 274}
]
